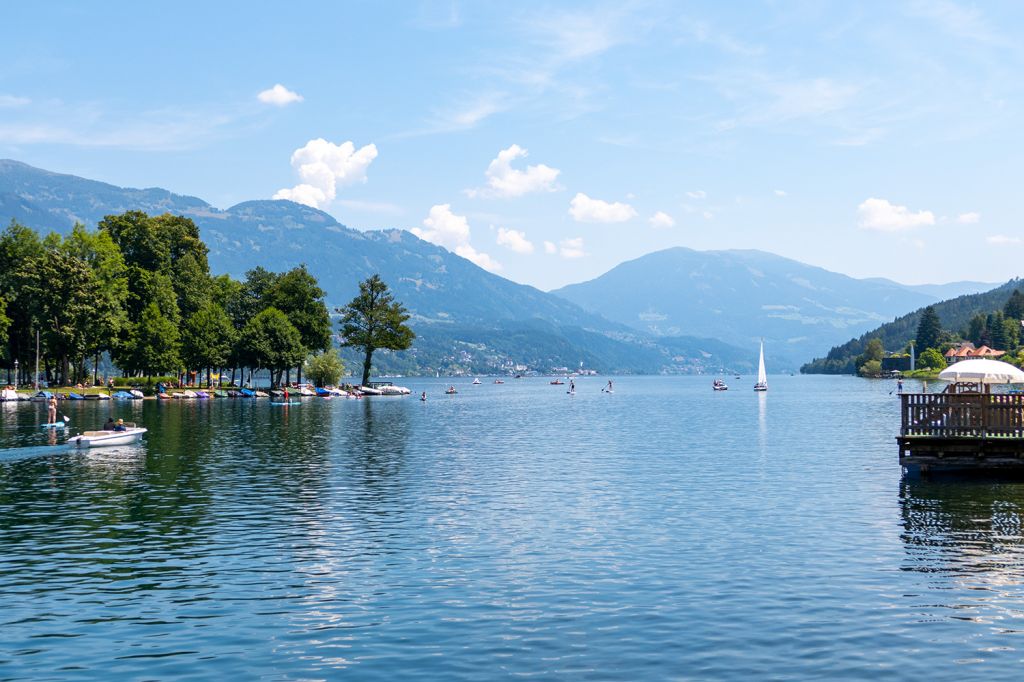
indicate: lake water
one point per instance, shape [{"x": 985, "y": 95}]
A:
[{"x": 663, "y": 531}]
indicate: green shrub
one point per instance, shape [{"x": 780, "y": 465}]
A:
[{"x": 931, "y": 359}]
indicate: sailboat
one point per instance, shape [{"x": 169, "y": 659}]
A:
[{"x": 762, "y": 377}]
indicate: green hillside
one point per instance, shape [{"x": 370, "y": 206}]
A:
[{"x": 955, "y": 315}]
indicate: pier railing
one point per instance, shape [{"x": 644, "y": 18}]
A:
[{"x": 962, "y": 415}]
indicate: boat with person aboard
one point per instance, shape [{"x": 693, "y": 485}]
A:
[{"x": 94, "y": 439}]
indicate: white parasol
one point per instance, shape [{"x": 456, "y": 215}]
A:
[{"x": 982, "y": 371}]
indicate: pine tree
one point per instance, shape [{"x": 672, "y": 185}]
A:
[{"x": 928, "y": 330}]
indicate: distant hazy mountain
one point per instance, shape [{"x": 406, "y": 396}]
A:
[
  {"x": 463, "y": 314},
  {"x": 742, "y": 296},
  {"x": 942, "y": 292},
  {"x": 955, "y": 314}
]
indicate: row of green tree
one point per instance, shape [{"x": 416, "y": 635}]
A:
[
  {"x": 955, "y": 313},
  {"x": 139, "y": 290},
  {"x": 998, "y": 329}
]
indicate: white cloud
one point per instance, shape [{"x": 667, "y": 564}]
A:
[
  {"x": 969, "y": 218},
  {"x": 571, "y": 248},
  {"x": 550, "y": 248},
  {"x": 583, "y": 209},
  {"x": 880, "y": 215},
  {"x": 697, "y": 194},
  {"x": 514, "y": 240},
  {"x": 505, "y": 181},
  {"x": 279, "y": 96},
  {"x": 661, "y": 219},
  {"x": 451, "y": 231},
  {"x": 708, "y": 215},
  {"x": 1002, "y": 240},
  {"x": 322, "y": 166},
  {"x": 780, "y": 192},
  {"x": 481, "y": 259},
  {"x": 12, "y": 101}
]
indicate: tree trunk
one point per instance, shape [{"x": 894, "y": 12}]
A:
[
  {"x": 299, "y": 370},
  {"x": 367, "y": 362},
  {"x": 288, "y": 376}
]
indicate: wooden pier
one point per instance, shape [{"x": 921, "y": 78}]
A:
[{"x": 967, "y": 431}]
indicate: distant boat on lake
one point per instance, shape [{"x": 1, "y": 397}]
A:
[{"x": 762, "y": 377}]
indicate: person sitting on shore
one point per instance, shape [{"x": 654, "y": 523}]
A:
[
  {"x": 110, "y": 425},
  {"x": 120, "y": 426}
]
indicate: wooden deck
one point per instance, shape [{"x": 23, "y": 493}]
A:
[{"x": 963, "y": 432}]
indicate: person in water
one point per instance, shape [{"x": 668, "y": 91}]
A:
[
  {"x": 51, "y": 412},
  {"x": 423, "y": 396},
  {"x": 110, "y": 425},
  {"x": 120, "y": 426}
]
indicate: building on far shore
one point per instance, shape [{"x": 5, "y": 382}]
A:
[{"x": 967, "y": 351}]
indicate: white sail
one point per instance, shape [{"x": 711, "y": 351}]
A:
[{"x": 762, "y": 376}]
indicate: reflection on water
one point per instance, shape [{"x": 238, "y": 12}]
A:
[
  {"x": 510, "y": 530},
  {"x": 964, "y": 528}
]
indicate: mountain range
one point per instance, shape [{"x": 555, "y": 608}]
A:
[
  {"x": 677, "y": 310},
  {"x": 741, "y": 296},
  {"x": 464, "y": 316}
]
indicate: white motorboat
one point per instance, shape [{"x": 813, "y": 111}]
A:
[
  {"x": 9, "y": 394},
  {"x": 762, "y": 377},
  {"x": 96, "y": 439},
  {"x": 477, "y": 382}
]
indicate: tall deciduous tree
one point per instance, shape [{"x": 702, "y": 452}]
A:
[
  {"x": 18, "y": 245},
  {"x": 297, "y": 294},
  {"x": 270, "y": 341},
  {"x": 928, "y": 330},
  {"x": 62, "y": 291},
  {"x": 208, "y": 339},
  {"x": 153, "y": 347},
  {"x": 374, "y": 320}
]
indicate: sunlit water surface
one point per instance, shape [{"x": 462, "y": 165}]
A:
[{"x": 663, "y": 531}]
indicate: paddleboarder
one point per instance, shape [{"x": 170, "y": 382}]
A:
[{"x": 52, "y": 409}]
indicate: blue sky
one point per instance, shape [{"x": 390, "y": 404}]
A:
[{"x": 549, "y": 142}]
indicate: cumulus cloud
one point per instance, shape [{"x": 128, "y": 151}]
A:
[
  {"x": 969, "y": 218},
  {"x": 514, "y": 240},
  {"x": 323, "y": 166},
  {"x": 697, "y": 194},
  {"x": 505, "y": 181},
  {"x": 880, "y": 215},
  {"x": 571, "y": 248},
  {"x": 661, "y": 219},
  {"x": 550, "y": 248},
  {"x": 583, "y": 209},
  {"x": 444, "y": 228},
  {"x": 1002, "y": 240},
  {"x": 279, "y": 96}
]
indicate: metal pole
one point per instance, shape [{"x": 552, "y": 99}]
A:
[{"x": 36, "y": 381}]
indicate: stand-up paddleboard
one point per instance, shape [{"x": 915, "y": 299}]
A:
[
  {"x": 54, "y": 425},
  {"x": 291, "y": 402}
]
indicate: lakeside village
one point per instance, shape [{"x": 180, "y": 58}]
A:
[
  {"x": 997, "y": 335},
  {"x": 132, "y": 310}
]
